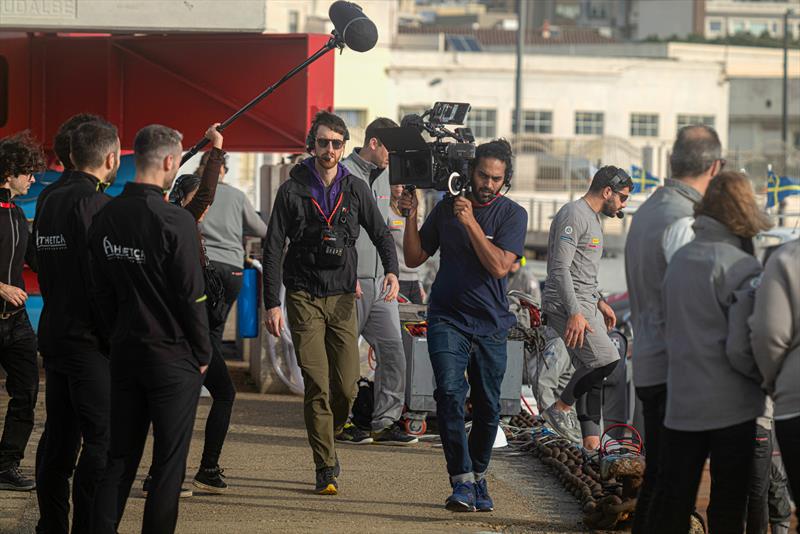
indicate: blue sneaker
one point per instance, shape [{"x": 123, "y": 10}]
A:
[
  {"x": 483, "y": 503},
  {"x": 462, "y": 499}
]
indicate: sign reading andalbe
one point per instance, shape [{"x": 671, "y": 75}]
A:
[{"x": 38, "y": 9}]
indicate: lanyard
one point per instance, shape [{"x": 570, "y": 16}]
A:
[
  {"x": 330, "y": 218},
  {"x": 7, "y": 205}
]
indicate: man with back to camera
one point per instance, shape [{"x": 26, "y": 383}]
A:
[
  {"x": 575, "y": 308},
  {"x": 480, "y": 236},
  {"x": 150, "y": 288},
  {"x": 378, "y": 320},
  {"x": 74, "y": 351},
  {"x": 661, "y": 226},
  {"x": 20, "y": 157},
  {"x": 320, "y": 209}
]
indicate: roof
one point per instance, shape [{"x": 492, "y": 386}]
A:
[{"x": 498, "y": 37}]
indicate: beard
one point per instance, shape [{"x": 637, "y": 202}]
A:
[
  {"x": 608, "y": 208},
  {"x": 327, "y": 161},
  {"x": 485, "y": 195}
]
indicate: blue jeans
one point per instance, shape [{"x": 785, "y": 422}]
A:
[{"x": 453, "y": 352}]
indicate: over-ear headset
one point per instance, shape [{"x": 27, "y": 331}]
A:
[
  {"x": 620, "y": 180},
  {"x": 311, "y": 139}
]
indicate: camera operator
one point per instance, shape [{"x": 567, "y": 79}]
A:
[
  {"x": 150, "y": 289},
  {"x": 378, "y": 320},
  {"x": 20, "y": 157},
  {"x": 480, "y": 236},
  {"x": 74, "y": 351},
  {"x": 574, "y": 307},
  {"x": 320, "y": 209}
]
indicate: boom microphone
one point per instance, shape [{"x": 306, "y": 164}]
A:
[{"x": 356, "y": 30}]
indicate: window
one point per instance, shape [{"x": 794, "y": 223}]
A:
[
  {"x": 483, "y": 122},
  {"x": 588, "y": 123},
  {"x": 3, "y": 91},
  {"x": 534, "y": 122},
  {"x": 353, "y": 118},
  {"x": 294, "y": 21},
  {"x": 461, "y": 43},
  {"x": 715, "y": 26},
  {"x": 738, "y": 26},
  {"x": 757, "y": 28},
  {"x": 644, "y": 125},
  {"x": 686, "y": 120}
]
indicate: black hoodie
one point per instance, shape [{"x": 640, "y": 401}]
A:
[{"x": 148, "y": 281}]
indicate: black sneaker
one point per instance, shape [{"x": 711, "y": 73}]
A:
[
  {"x": 210, "y": 479},
  {"x": 354, "y": 435},
  {"x": 185, "y": 492},
  {"x": 326, "y": 481},
  {"x": 12, "y": 480},
  {"x": 393, "y": 435}
]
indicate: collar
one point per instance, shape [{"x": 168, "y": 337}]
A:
[
  {"x": 363, "y": 165},
  {"x": 709, "y": 229},
  {"x": 683, "y": 189},
  {"x": 138, "y": 189},
  {"x": 85, "y": 176}
]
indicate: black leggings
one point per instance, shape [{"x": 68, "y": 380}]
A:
[
  {"x": 218, "y": 379},
  {"x": 584, "y": 390}
]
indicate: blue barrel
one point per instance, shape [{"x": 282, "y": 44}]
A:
[{"x": 247, "y": 305}]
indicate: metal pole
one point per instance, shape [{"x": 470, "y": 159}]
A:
[
  {"x": 785, "y": 114},
  {"x": 518, "y": 114}
]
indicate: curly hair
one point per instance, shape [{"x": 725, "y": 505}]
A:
[
  {"x": 499, "y": 149},
  {"x": 730, "y": 200},
  {"x": 20, "y": 154}
]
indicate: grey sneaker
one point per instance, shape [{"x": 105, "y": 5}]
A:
[{"x": 565, "y": 424}]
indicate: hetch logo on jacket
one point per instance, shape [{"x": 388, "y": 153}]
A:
[
  {"x": 119, "y": 252},
  {"x": 50, "y": 242}
]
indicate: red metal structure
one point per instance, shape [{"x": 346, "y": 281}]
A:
[{"x": 183, "y": 81}]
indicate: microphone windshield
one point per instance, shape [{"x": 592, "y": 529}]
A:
[
  {"x": 620, "y": 215},
  {"x": 358, "y": 32}
]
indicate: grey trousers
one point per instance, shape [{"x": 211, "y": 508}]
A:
[{"x": 379, "y": 323}]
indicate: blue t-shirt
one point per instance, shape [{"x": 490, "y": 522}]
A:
[{"x": 464, "y": 293}]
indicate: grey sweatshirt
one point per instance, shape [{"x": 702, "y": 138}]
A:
[
  {"x": 574, "y": 249},
  {"x": 775, "y": 326},
  {"x": 645, "y": 265},
  {"x": 229, "y": 219},
  {"x": 712, "y": 380},
  {"x": 369, "y": 264}
]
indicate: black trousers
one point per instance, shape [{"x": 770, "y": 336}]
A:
[
  {"x": 218, "y": 379},
  {"x": 685, "y": 454},
  {"x": 18, "y": 358},
  {"x": 788, "y": 432},
  {"x": 77, "y": 403},
  {"x": 654, "y": 407},
  {"x": 165, "y": 394},
  {"x": 411, "y": 290},
  {"x": 758, "y": 494}
]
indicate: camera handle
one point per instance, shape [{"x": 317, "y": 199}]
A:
[{"x": 410, "y": 189}]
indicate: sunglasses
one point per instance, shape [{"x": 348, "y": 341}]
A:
[
  {"x": 622, "y": 198},
  {"x": 335, "y": 143}
]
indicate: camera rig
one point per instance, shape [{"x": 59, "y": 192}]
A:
[{"x": 439, "y": 164}]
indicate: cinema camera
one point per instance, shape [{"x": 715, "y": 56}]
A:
[{"x": 439, "y": 165}]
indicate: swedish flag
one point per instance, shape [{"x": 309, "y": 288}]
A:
[
  {"x": 779, "y": 188},
  {"x": 642, "y": 180}
]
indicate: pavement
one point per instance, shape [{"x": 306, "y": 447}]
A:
[{"x": 269, "y": 469}]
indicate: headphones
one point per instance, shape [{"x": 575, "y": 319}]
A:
[{"x": 311, "y": 139}]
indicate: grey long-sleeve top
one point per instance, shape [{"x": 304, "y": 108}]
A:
[
  {"x": 574, "y": 249},
  {"x": 712, "y": 380},
  {"x": 775, "y": 326}
]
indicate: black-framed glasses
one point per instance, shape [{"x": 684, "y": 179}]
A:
[
  {"x": 335, "y": 143},
  {"x": 622, "y": 197}
]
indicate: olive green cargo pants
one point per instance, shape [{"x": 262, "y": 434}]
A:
[{"x": 325, "y": 336}]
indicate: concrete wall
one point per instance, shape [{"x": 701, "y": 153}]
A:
[
  {"x": 130, "y": 15},
  {"x": 663, "y": 18}
]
